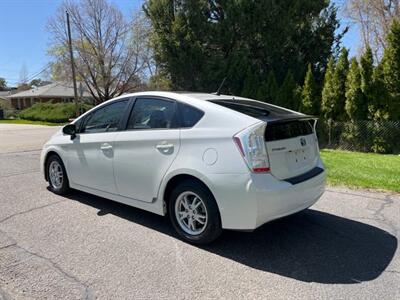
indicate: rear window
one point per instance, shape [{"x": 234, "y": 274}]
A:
[
  {"x": 250, "y": 108},
  {"x": 287, "y": 130}
]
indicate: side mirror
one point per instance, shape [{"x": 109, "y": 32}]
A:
[{"x": 70, "y": 129}]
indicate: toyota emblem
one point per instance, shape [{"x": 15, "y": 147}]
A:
[{"x": 303, "y": 141}]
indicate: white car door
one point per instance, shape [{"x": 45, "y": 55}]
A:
[
  {"x": 144, "y": 152},
  {"x": 90, "y": 158}
]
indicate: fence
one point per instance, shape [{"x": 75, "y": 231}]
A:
[{"x": 364, "y": 136}]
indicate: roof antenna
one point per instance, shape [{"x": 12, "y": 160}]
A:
[{"x": 218, "y": 92}]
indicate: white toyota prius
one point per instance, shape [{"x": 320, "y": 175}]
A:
[{"x": 209, "y": 161}]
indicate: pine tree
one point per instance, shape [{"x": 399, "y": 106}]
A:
[
  {"x": 309, "y": 99},
  {"x": 391, "y": 69},
  {"x": 339, "y": 81},
  {"x": 288, "y": 93},
  {"x": 354, "y": 95},
  {"x": 262, "y": 92},
  {"x": 328, "y": 92},
  {"x": 379, "y": 106},
  {"x": 197, "y": 43},
  {"x": 367, "y": 71},
  {"x": 272, "y": 88},
  {"x": 250, "y": 85}
]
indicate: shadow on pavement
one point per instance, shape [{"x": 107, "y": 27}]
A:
[{"x": 311, "y": 246}]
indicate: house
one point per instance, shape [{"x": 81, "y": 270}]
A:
[
  {"x": 54, "y": 92},
  {"x": 4, "y": 101}
]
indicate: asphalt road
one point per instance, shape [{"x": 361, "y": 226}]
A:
[{"x": 86, "y": 247}]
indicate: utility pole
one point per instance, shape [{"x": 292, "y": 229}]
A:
[{"x": 72, "y": 66}]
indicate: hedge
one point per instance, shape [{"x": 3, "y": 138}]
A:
[{"x": 51, "y": 112}]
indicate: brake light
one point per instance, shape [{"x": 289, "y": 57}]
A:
[{"x": 251, "y": 144}]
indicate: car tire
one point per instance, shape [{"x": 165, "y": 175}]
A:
[
  {"x": 57, "y": 176},
  {"x": 199, "y": 203}
]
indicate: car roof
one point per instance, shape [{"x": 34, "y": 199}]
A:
[
  {"x": 193, "y": 95},
  {"x": 277, "y": 112}
]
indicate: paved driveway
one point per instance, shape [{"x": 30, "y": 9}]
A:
[{"x": 85, "y": 247}]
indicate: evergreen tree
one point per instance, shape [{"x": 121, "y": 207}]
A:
[
  {"x": 197, "y": 43},
  {"x": 367, "y": 70},
  {"x": 379, "y": 106},
  {"x": 309, "y": 98},
  {"x": 355, "y": 106},
  {"x": 250, "y": 85},
  {"x": 262, "y": 92},
  {"x": 382, "y": 139},
  {"x": 288, "y": 93},
  {"x": 328, "y": 92},
  {"x": 339, "y": 81},
  {"x": 272, "y": 88},
  {"x": 391, "y": 69},
  {"x": 367, "y": 78}
]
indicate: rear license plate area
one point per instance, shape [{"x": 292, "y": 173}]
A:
[{"x": 297, "y": 158}]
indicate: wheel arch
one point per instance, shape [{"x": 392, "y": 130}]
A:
[
  {"x": 175, "y": 180},
  {"x": 46, "y": 158}
]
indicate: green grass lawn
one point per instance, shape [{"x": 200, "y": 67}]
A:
[
  {"x": 21, "y": 121},
  {"x": 363, "y": 170}
]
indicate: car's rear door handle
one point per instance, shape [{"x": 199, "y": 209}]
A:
[
  {"x": 165, "y": 148},
  {"x": 105, "y": 147}
]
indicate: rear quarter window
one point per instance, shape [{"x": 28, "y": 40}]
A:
[{"x": 189, "y": 115}]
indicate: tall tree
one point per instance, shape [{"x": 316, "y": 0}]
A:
[
  {"x": 379, "y": 106},
  {"x": 197, "y": 43},
  {"x": 339, "y": 79},
  {"x": 106, "y": 60},
  {"x": 3, "y": 84},
  {"x": 391, "y": 69},
  {"x": 309, "y": 94},
  {"x": 272, "y": 88},
  {"x": 251, "y": 84},
  {"x": 374, "y": 18},
  {"x": 355, "y": 106},
  {"x": 328, "y": 103},
  {"x": 288, "y": 93},
  {"x": 367, "y": 78}
]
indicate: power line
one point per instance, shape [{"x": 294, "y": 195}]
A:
[{"x": 46, "y": 67}]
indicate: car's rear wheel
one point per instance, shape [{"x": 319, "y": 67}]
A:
[
  {"x": 194, "y": 213},
  {"x": 57, "y": 176}
]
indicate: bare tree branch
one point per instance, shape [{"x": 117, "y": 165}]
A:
[
  {"x": 374, "y": 18},
  {"x": 111, "y": 55}
]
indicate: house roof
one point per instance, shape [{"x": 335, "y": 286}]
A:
[
  {"x": 52, "y": 90},
  {"x": 4, "y": 94}
]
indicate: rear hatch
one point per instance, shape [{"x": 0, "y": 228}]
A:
[
  {"x": 291, "y": 142},
  {"x": 292, "y": 147}
]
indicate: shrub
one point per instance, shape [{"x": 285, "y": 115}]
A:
[{"x": 51, "y": 112}]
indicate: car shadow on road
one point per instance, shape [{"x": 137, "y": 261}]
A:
[{"x": 311, "y": 246}]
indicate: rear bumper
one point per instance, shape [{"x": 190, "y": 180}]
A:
[{"x": 247, "y": 201}]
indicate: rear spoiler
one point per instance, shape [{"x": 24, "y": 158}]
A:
[{"x": 288, "y": 118}]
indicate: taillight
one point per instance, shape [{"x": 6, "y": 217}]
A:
[{"x": 251, "y": 144}]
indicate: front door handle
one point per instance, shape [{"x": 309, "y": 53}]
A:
[{"x": 105, "y": 147}]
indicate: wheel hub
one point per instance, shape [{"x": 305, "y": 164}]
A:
[{"x": 191, "y": 213}]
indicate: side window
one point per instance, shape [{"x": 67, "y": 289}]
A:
[
  {"x": 189, "y": 115},
  {"x": 151, "y": 113},
  {"x": 105, "y": 119}
]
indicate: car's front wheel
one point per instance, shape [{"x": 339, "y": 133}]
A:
[
  {"x": 194, "y": 213},
  {"x": 57, "y": 176}
]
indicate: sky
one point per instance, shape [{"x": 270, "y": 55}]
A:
[{"x": 24, "y": 39}]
